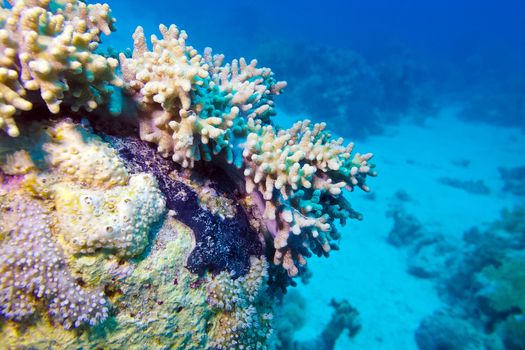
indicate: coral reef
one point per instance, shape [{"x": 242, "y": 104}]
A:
[
  {"x": 220, "y": 244},
  {"x": 291, "y": 317},
  {"x": 513, "y": 180},
  {"x": 443, "y": 331},
  {"x": 482, "y": 286},
  {"x": 469, "y": 186},
  {"x": 244, "y": 320},
  {"x": 48, "y": 47},
  {"x": 82, "y": 273},
  {"x": 178, "y": 224},
  {"x": 118, "y": 219},
  {"x": 300, "y": 174},
  {"x": 407, "y": 229},
  {"x": 193, "y": 107},
  {"x": 84, "y": 158},
  {"x": 33, "y": 269},
  {"x": 427, "y": 252}
]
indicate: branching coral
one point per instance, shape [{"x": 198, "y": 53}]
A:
[
  {"x": 79, "y": 197},
  {"x": 162, "y": 80},
  {"x": 505, "y": 285},
  {"x": 33, "y": 269},
  {"x": 48, "y": 46},
  {"x": 249, "y": 88},
  {"x": 300, "y": 174},
  {"x": 192, "y": 105}
]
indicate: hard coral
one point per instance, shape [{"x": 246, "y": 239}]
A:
[
  {"x": 243, "y": 319},
  {"x": 162, "y": 80},
  {"x": 300, "y": 174},
  {"x": 221, "y": 244},
  {"x": 116, "y": 220},
  {"x": 196, "y": 107},
  {"x": 82, "y": 157},
  {"x": 48, "y": 46},
  {"x": 33, "y": 269},
  {"x": 192, "y": 106},
  {"x": 249, "y": 88}
]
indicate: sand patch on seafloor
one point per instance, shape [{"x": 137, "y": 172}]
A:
[{"x": 368, "y": 271}]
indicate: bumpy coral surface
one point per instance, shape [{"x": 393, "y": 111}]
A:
[
  {"x": 197, "y": 107},
  {"x": 84, "y": 158},
  {"x": 243, "y": 320},
  {"x": 33, "y": 269},
  {"x": 63, "y": 219},
  {"x": 118, "y": 219},
  {"x": 48, "y": 47}
]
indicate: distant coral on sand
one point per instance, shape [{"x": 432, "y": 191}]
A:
[{"x": 480, "y": 279}]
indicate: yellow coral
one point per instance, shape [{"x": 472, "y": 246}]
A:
[
  {"x": 118, "y": 219},
  {"x": 79, "y": 156},
  {"x": 18, "y": 163}
]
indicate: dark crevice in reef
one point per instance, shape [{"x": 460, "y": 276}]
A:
[{"x": 221, "y": 244}]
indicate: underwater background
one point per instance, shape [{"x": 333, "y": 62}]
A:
[{"x": 436, "y": 91}]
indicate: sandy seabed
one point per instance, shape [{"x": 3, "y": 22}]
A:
[{"x": 371, "y": 273}]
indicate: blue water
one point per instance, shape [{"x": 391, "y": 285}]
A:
[{"x": 436, "y": 89}]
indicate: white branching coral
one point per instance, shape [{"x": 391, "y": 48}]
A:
[
  {"x": 48, "y": 46},
  {"x": 248, "y": 87},
  {"x": 196, "y": 107},
  {"x": 161, "y": 80},
  {"x": 33, "y": 269},
  {"x": 192, "y": 107},
  {"x": 300, "y": 174}
]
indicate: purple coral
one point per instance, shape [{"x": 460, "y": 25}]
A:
[{"x": 33, "y": 269}]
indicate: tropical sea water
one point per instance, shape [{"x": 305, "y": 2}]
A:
[{"x": 436, "y": 90}]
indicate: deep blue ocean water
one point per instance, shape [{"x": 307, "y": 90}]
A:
[{"x": 436, "y": 89}]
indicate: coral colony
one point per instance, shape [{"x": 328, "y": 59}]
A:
[{"x": 151, "y": 199}]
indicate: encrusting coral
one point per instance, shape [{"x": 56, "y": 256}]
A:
[
  {"x": 33, "y": 268},
  {"x": 118, "y": 219},
  {"x": 84, "y": 158},
  {"x": 187, "y": 244},
  {"x": 82, "y": 201},
  {"x": 243, "y": 319},
  {"x": 48, "y": 46}
]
